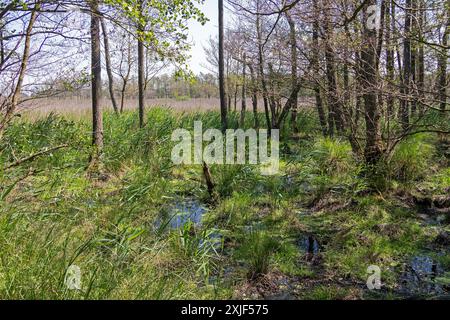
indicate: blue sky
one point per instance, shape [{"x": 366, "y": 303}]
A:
[{"x": 200, "y": 34}]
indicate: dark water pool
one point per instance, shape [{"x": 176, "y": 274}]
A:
[
  {"x": 181, "y": 213},
  {"x": 309, "y": 244}
]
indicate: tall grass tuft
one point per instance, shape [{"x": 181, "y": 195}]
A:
[
  {"x": 333, "y": 156},
  {"x": 412, "y": 158},
  {"x": 257, "y": 251}
]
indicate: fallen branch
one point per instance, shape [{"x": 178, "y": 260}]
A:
[{"x": 33, "y": 156}]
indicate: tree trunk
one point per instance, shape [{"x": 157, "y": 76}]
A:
[
  {"x": 141, "y": 68},
  {"x": 223, "y": 104},
  {"x": 381, "y": 29},
  {"x": 334, "y": 108},
  {"x": 2, "y": 46},
  {"x": 272, "y": 101},
  {"x": 126, "y": 77},
  {"x": 316, "y": 69},
  {"x": 23, "y": 67},
  {"x": 414, "y": 31},
  {"x": 404, "y": 111},
  {"x": 96, "y": 71},
  {"x": 108, "y": 66},
  {"x": 122, "y": 96},
  {"x": 443, "y": 58},
  {"x": 261, "y": 72},
  {"x": 369, "y": 75},
  {"x": 421, "y": 57},
  {"x": 236, "y": 90},
  {"x": 390, "y": 64},
  {"x": 141, "y": 82},
  {"x": 294, "y": 77},
  {"x": 244, "y": 88},
  {"x": 288, "y": 106},
  {"x": 254, "y": 96}
]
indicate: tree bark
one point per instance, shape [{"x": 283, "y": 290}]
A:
[
  {"x": 272, "y": 101},
  {"x": 141, "y": 69},
  {"x": 96, "y": 70},
  {"x": 421, "y": 57},
  {"x": 23, "y": 67},
  {"x": 236, "y": 89},
  {"x": 443, "y": 58},
  {"x": 294, "y": 77},
  {"x": 223, "y": 104},
  {"x": 334, "y": 108},
  {"x": 390, "y": 64},
  {"x": 108, "y": 66},
  {"x": 288, "y": 106},
  {"x": 254, "y": 96},
  {"x": 404, "y": 110},
  {"x": 415, "y": 33},
  {"x": 369, "y": 74},
  {"x": 381, "y": 29},
  {"x": 316, "y": 69},
  {"x": 244, "y": 88},
  {"x": 141, "y": 82},
  {"x": 2, "y": 46},
  {"x": 261, "y": 72}
]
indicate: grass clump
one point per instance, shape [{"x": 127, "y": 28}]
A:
[
  {"x": 333, "y": 157},
  {"x": 412, "y": 158},
  {"x": 257, "y": 251}
]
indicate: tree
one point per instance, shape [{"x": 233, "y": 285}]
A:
[
  {"x": 223, "y": 103},
  {"x": 373, "y": 150},
  {"x": 315, "y": 62},
  {"x": 335, "y": 118},
  {"x": 404, "y": 109},
  {"x": 108, "y": 65},
  {"x": 161, "y": 27},
  {"x": 443, "y": 61},
  {"x": 141, "y": 68},
  {"x": 293, "y": 44},
  {"x": 11, "y": 104},
  {"x": 244, "y": 88},
  {"x": 96, "y": 74}
]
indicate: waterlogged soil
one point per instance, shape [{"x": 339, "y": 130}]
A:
[
  {"x": 419, "y": 278},
  {"x": 189, "y": 211},
  {"x": 181, "y": 213},
  {"x": 309, "y": 244}
]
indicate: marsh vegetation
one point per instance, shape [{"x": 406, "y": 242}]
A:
[{"x": 357, "y": 90}]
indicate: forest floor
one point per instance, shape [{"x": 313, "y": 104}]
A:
[{"x": 144, "y": 228}]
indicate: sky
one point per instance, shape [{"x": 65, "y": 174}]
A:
[{"x": 199, "y": 35}]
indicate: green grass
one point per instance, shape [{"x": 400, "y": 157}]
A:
[{"x": 54, "y": 214}]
